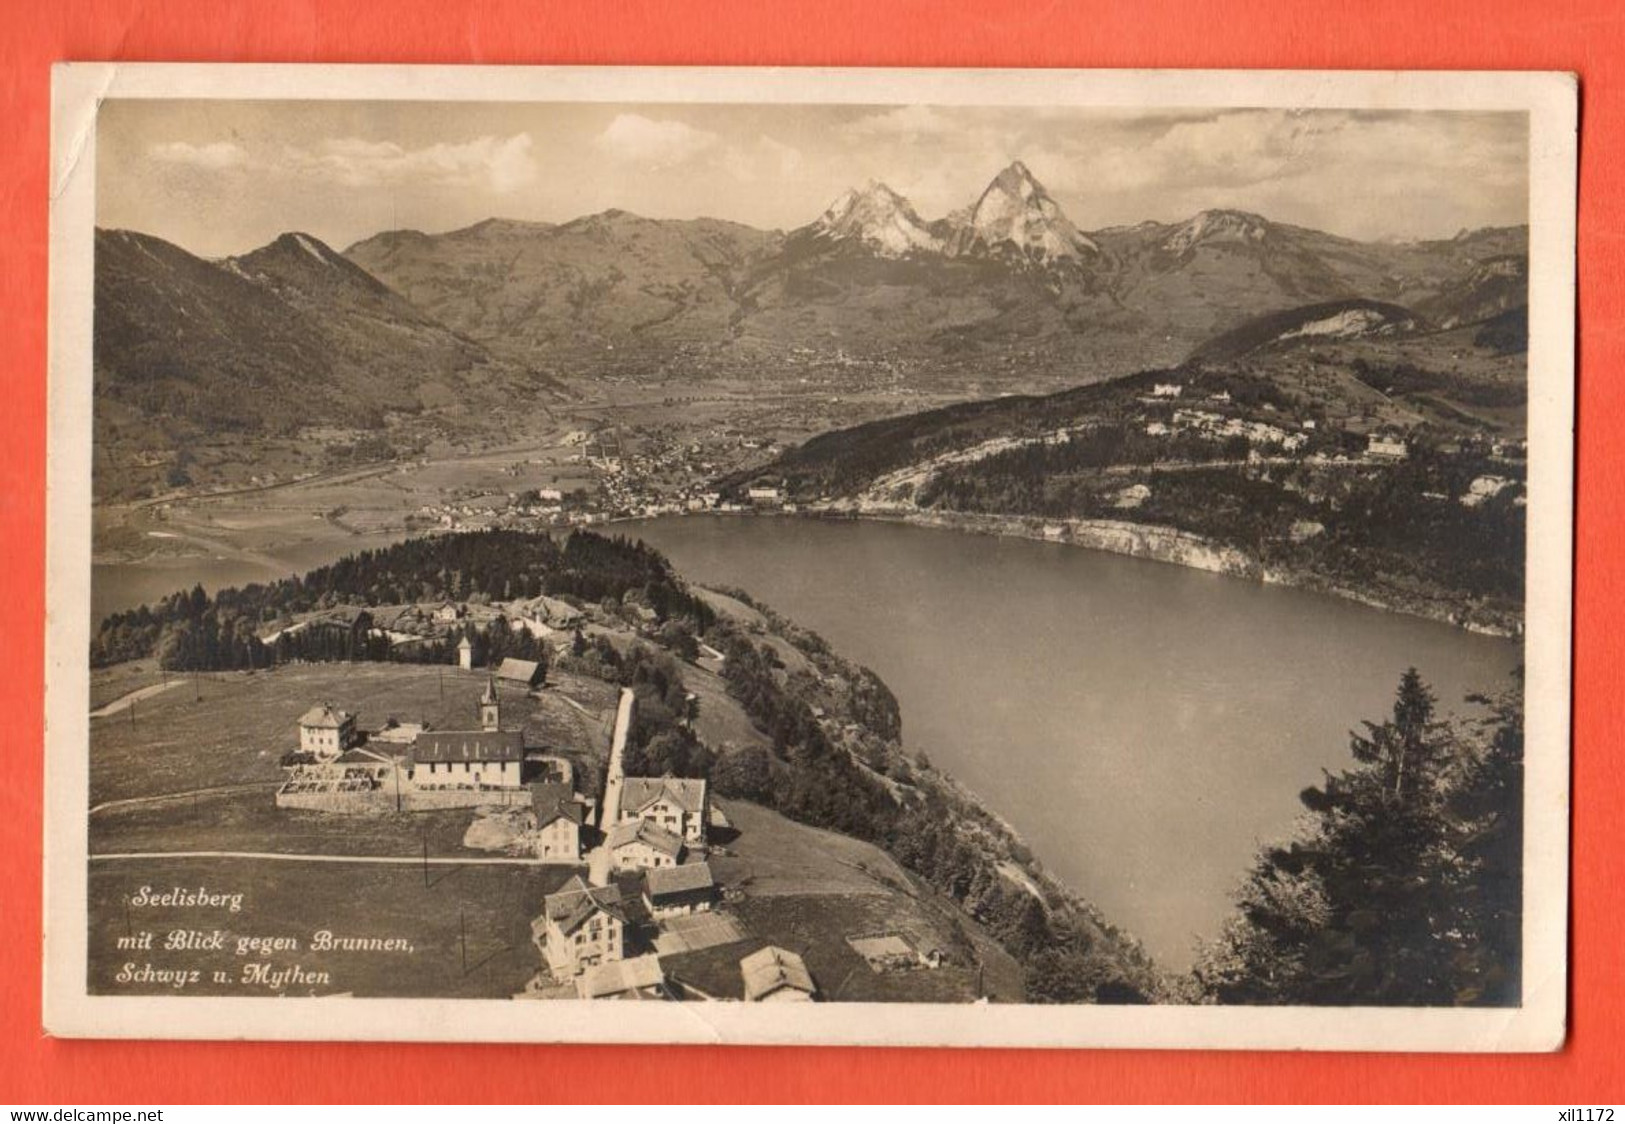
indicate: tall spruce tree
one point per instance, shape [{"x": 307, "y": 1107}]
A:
[{"x": 1384, "y": 899}]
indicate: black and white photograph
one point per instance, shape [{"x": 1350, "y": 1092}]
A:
[{"x": 1053, "y": 558}]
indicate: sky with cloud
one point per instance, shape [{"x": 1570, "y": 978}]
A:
[{"x": 223, "y": 177}]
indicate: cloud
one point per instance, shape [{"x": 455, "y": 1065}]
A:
[
  {"x": 907, "y": 122},
  {"x": 502, "y": 164},
  {"x": 634, "y": 139},
  {"x": 767, "y": 159},
  {"x": 215, "y": 157}
]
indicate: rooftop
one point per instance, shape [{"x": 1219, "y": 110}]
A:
[
  {"x": 325, "y": 717},
  {"x": 519, "y": 671},
  {"x": 576, "y": 901},
  {"x": 773, "y": 969},
  {"x": 637, "y": 793},
  {"x": 697, "y": 931},
  {"x": 469, "y": 745},
  {"x": 551, "y": 801},
  {"x": 647, "y": 833},
  {"x": 622, "y": 977},
  {"x": 679, "y": 879}
]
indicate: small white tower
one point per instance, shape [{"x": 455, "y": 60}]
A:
[
  {"x": 490, "y": 708},
  {"x": 465, "y": 654}
]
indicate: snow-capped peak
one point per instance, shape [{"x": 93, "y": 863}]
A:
[
  {"x": 879, "y": 218},
  {"x": 1016, "y": 215}
]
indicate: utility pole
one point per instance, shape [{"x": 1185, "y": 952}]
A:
[{"x": 425, "y": 858}]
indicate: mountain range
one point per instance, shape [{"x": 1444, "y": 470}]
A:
[
  {"x": 870, "y": 275},
  {"x": 404, "y": 322}
]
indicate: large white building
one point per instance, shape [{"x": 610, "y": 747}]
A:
[
  {"x": 468, "y": 759},
  {"x": 679, "y": 804},
  {"x": 325, "y": 732},
  {"x": 581, "y": 927}
]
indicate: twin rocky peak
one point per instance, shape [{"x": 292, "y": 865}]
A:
[{"x": 1013, "y": 219}]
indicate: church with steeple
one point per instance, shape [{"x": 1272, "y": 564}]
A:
[{"x": 490, "y": 707}]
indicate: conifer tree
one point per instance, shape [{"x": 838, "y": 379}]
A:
[{"x": 1395, "y": 891}]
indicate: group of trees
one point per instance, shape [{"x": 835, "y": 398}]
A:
[
  {"x": 195, "y": 631},
  {"x": 1406, "y": 888},
  {"x": 1408, "y": 380}
]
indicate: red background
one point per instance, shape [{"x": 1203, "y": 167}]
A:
[{"x": 1586, "y": 36}]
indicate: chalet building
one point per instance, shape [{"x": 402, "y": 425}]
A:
[
  {"x": 449, "y": 612},
  {"x": 678, "y": 891},
  {"x": 581, "y": 927},
  {"x": 776, "y": 975},
  {"x": 468, "y": 759},
  {"x": 643, "y": 845},
  {"x": 641, "y": 977},
  {"x": 522, "y": 673},
  {"x": 559, "y": 817},
  {"x": 678, "y": 804},
  {"x": 549, "y": 611},
  {"x": 325, "y": 732},
  {"x": 1167, "y": 390}
]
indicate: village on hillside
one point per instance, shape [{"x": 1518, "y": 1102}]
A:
[{"x": 644, "y": 915}]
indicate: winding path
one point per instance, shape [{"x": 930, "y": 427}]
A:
[
  {"x": 170, "y": 797},
  {"x": 125, "y": 702}
]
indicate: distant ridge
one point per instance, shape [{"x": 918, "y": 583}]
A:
[{"x": 1348, "y": 319}]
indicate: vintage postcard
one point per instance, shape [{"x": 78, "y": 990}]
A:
[{"x": 893, "y": 557}]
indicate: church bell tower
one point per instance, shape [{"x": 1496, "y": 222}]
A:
[{"x": 490, "y": 708}]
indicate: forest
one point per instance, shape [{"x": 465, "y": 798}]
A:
[{"x": 192, "y": 631}]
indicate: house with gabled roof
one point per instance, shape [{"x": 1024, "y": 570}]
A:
[
  {"x": 326, "y": 731},
  {"x": 640, "y": 977},
  {"x": 559, "y": 816},
  {"x": 580, "y": 927},
  {"x": 678, "y": 804},
  {"x": 643, "y": 845},
  {"x": 524, "y": 673},
  {"x": 776, "y": 975},
  {"x": 677, "y": 891}
]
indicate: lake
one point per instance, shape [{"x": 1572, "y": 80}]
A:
[
  {"x": 116, "y": 586},
  {"x": 1144, "y": 726}
]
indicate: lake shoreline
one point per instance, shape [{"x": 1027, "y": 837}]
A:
[{"x": 1153, "y": 543}]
